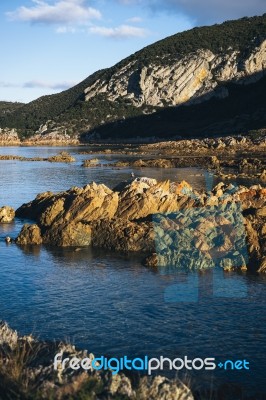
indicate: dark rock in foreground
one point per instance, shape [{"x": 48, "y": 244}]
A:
[
  {"x": 27, "y": 372},
  {"x": 170, "y": 221}
]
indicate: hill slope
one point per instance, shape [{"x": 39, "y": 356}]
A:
[{"x": 203, "y": 65}]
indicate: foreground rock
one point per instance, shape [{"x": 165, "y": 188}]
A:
[
  {"x": 7, "y": 214},
  {"x": 27, "y": 372},
  {"x": 170, "y": 221}
]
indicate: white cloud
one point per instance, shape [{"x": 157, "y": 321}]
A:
[
  {"x": 122, "y": 31},
  {"x": 7, "y": 84},
  {"x": 135, "y": 20},
  {"x": 204, "y": 11},
  {"x": 46, "y": 85},
  {"x": 66, "y": 29},
  {"x": 39, "y": 84},
  {"x": 61, "y": 11}
]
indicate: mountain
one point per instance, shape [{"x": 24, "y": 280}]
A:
[{"x": 205, "y": 80}]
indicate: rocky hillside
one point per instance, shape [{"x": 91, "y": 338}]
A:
[{"x": 208, "y": 64}]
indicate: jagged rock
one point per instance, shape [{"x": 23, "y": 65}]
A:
[
  {"x": 142, "y": 198},
  {"x": 7, "y": 214},
  {"x": 262, "y": 267},
  {"x": 65, "y": 218},
  {"x": 169, "y": 220},
  {"x": 123, "y": 235},
  {"x": 193, "y": 78},
  {"x": 29, "y": 235}
]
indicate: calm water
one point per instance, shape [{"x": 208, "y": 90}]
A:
[{"x": 112, "y": 305}]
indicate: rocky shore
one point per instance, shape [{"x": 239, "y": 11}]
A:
[
  {"x": 63, "y": 156},
  {"x": 168, "y": 222},
  {"x": 228, "y": 157},
  {"x": 27, "y": 372},
  {"x": 11, "y": 137}
]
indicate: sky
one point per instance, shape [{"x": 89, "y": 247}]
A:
[{"x": 50, "y": 45}]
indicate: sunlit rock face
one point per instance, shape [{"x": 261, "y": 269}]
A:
[{"x": 193, "y": 78}]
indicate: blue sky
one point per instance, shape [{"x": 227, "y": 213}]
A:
[{"x": 49, "y": 45}]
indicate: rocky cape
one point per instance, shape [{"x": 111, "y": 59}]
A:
[
  {"x": 168, "y": 222},
  {"x": 27, "y": 372}
]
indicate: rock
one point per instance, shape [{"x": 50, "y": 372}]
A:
[
  {"x": 9, "y": 137},
  {"x": 263, "y": 176},
  {"x": 9, "y": 240},
  {"x": 29, "y": 235},
  {"x": 90, "y": 163},
  {"x": 65, "y": 218},
  {"x": 7, "y": 214},
  {"x": 143, "y": 198},
  {"x": 168, "y": 220},
  {"x": 214, "y": 162},
  {"x": 63, "y": 156},
  {"x": 261, "y": 212},
  {"x": 163, "y": 388},
  {"x": 28, "y": 366},
  {"x": 191, "y": 78},
  {"x": 152, "y": 260},
  {"x": 123, "y": 235},
  {"x": 262, "y": 267}
]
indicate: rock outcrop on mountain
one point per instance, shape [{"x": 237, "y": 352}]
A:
[
  {"x": 9, "y": 137},
  {"x": 170, "y": 221},
  {"x": 191, "y": 68},
  {"x": 192, "y": 78}
]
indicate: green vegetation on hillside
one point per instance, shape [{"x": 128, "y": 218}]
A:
[
  {"x": 68, "y": 108},
  {"x": 7, "y": 107}
]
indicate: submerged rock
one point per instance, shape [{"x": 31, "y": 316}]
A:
[{"x": 7, "y": 214}]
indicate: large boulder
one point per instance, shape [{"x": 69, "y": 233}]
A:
[
  {"x": 30, "y": 235},
  {"x": 65, "y": 218},
  {"x": 7, "y": 214}
]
